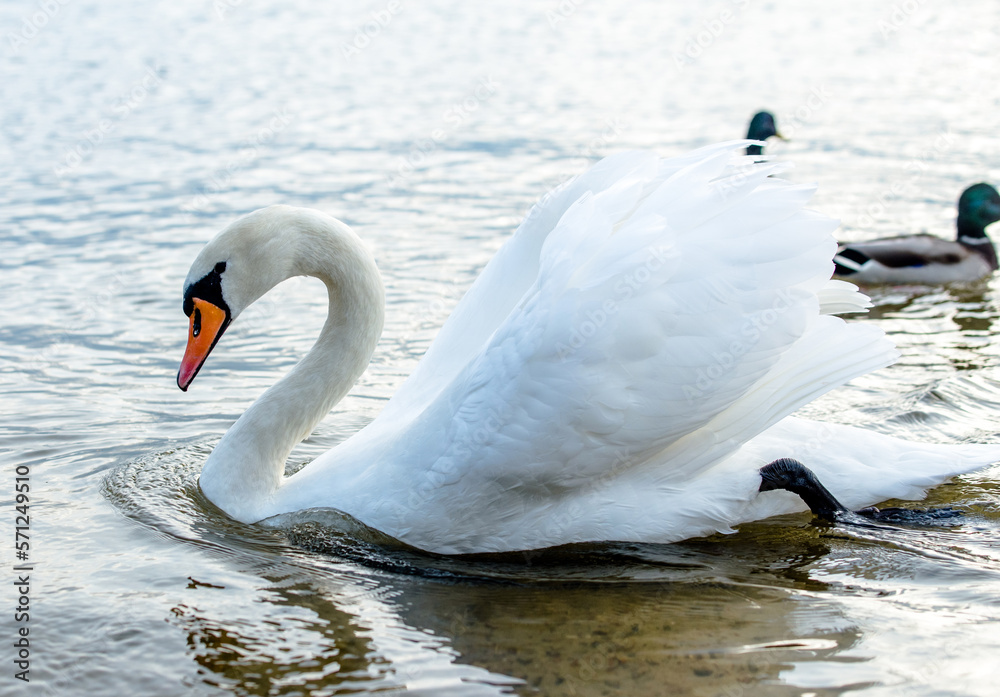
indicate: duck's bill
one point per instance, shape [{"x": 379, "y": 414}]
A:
[{"x": 208, "y": 322}]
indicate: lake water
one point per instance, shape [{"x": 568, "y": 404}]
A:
[{"x": 131, "y": 132}]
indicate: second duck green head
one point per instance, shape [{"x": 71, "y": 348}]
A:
[{"x": 978, "y": 206}]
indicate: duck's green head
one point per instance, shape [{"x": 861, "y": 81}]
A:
[
  {"x": 762, "y": 127},
  {"x": 978, "y": 206}
]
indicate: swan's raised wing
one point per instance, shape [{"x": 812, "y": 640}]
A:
[
  {"x": 668, "y": 314},
  {"x": 620, "y": 180}
]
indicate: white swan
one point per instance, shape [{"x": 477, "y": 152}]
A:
[{"x": 620, "y": 371}]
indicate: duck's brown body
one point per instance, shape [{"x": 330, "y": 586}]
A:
[
  {"x": 925, "y": 258},
  {"x": 916, "y": 259}
]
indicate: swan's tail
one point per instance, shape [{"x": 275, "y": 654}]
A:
[{"x": 859, "y": 467}]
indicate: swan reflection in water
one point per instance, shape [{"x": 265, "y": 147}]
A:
[
  {"x": 656, "y": 617},
  {"x": 326, "y": 604}
]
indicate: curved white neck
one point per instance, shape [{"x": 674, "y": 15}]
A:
[{"x": 247, "y": 466}]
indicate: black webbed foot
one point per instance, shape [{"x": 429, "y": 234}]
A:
[
  {"x": 792, "y": 475},
  {"x": 909, "y": 516}
]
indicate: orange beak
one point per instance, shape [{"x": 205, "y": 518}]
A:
[{"x": 208, "y": 322}]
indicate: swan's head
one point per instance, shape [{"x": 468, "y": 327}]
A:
[
  {"x": 979, "y": 206},
  {"x": 237, "y": 267}
]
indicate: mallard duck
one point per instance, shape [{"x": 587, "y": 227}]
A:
[
  {"x": 926, "y": 258},
  {"x": 762, "y": 127}
]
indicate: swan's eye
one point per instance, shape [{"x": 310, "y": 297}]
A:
[
  {"x": 196, "y": 323},
  {"x": 220, "y": 267}
]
